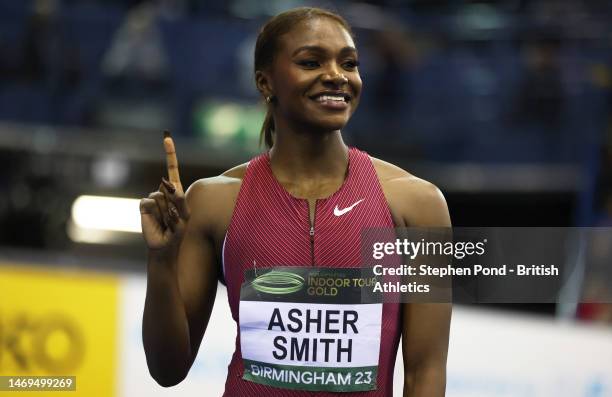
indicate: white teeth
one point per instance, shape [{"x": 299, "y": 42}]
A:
[{"x": 324, "y": 98}]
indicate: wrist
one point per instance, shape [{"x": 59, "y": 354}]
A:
[{"x": 162, "y": 258}]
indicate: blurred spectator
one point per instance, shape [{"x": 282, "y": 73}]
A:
[
  {"x": 48, "y": 57},
  {"x": 137, "y": 52},
  {"x": 136, "y": 83},
  {"x": 597, "y": 291},
  {"x": 601, "y": 76},
  {"x": 396, "y": 53},
  {"x": 389, "y": 55},
  {"x": 541, "y": 96}
]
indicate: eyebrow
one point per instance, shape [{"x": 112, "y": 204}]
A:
[{"x": 316, "y": 48}]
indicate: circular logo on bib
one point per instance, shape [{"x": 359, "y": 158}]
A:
[{"x": 278, "y": 283}]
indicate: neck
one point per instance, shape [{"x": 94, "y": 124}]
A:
[{"x": 305, "y": 155}]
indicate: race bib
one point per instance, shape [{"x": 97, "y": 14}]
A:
[{"x": 305, "y": 328}]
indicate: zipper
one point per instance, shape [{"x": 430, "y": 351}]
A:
[{"x": 312, "y": 232}]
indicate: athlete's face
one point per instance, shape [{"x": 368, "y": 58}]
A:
[{"x": 315, "y": 77}]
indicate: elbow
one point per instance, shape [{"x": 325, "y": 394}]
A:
[
  {"x": 165, "y": 371},
  {"x": 167, "y": 366},
  {"x": 167, "y": 378},
  {"x": 167, "y": 381}
]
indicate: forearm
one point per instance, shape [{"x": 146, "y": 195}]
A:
[
  {"x": 425, "y": 381},
  {"x": 165, "y": 327}
]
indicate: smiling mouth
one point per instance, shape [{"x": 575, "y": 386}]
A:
[
  {"x": 339, "y": 97},
  {"x": 332, "y": 101}
]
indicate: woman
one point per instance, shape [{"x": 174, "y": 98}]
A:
[{"x": 303, "y": 203}]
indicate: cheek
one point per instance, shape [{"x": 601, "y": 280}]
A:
[
  {"x": 292, "y": 83},
  {"x": 356, "y": 84}
]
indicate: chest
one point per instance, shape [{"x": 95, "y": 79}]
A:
[
  {"x": 222, "y": 219},
  {"x": 273, "y": 228}
]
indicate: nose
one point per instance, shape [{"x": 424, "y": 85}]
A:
[{"x": 334, "y": 76}]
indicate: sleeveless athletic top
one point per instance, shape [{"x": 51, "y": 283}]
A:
[{"x": 269, "y": 227}]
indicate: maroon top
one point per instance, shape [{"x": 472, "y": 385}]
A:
[{"x": 269, "y": 227}]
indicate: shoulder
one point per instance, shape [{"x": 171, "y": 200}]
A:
[
  {"x": 219, "y": 185},
  {"x": 211, "y": 200},
  {"x": 412, "y": 200}
]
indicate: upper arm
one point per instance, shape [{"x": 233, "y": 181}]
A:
[
  {"x": 425, "y": 333},
  {"x": 425, "y": 326},
  {"x": 197, "y": 268}
]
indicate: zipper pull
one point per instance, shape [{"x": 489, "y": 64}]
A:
[{"x": 312, "y": 253}]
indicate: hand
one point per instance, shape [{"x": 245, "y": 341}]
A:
[{"x": 164, "y": 214}]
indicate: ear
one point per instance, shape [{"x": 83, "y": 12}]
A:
[{"x": 264, "y": 83}]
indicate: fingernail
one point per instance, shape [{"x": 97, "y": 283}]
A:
[{"x": 167, "y": 134}]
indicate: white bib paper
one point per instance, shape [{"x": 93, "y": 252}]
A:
[{"x": 305, "y": 328}]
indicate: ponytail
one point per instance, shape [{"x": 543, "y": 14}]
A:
[{"x": 267, "y": 128}]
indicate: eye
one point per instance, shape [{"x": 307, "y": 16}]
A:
[
  {"x": 350, "y": 64},
  {"x": 308, "y": 63}
]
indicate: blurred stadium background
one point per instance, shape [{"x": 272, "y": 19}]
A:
[{"x": 505, "y": 105}]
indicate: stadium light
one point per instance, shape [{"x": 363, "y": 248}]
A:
[{"x": 107, "y": 213}]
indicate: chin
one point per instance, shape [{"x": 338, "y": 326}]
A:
[{"x": 330, "y": 123}]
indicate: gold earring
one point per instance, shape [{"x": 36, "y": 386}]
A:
[{"x": 269, "y": 99}]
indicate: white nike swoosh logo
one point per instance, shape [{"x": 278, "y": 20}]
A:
[{"x": 343, "y": 211}]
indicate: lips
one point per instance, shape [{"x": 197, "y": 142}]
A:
[
  {"x": 336, "y": 100},
  {"x": 332, "y": 96}
]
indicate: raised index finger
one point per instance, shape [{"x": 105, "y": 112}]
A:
[{"x": 171, "y": 161}]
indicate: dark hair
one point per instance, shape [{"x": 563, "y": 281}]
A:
[{"x": 267, "y": 45}]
